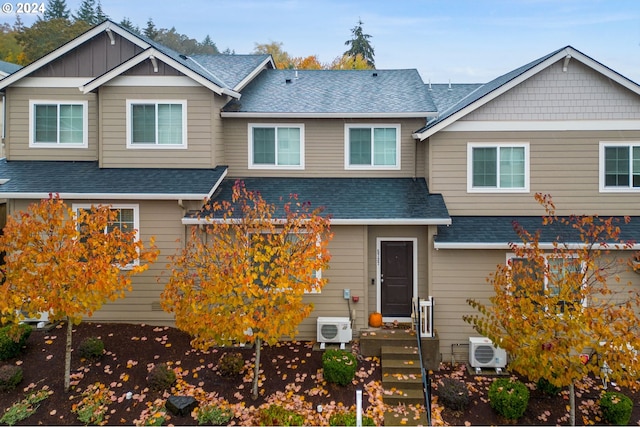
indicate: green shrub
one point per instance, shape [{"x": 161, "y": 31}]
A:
[
  {"x": 213, "y": 415},
  {"x": 13, "y": 339},
  {"x": 275, "y": 415},
  {"x": 91, "y": 348},
  {"x": 25, "y": 408},
  {"x": 509, "y": 398},
  {"x": 10, "y": 377},
  {"x": 616, "y": 408},
  {"x": 453, "y": 394},
  {"x": 231, "y": 364},
  {"x": 161, "y": 377},
  {"x": 547, "y": 388},
  {"x": 339, "y": 366},
  {"x": 349, "y": 419}
]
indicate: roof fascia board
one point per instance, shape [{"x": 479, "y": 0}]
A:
[
  {"x": 507, "y": 246},
  {"x": 115, "y": 72},
  {"x": 543, "y": 125},
  {"x": 494, "y": 94},
  {"x": 418, "y": 115},
  {"x": 106, "y": 196},
  {"x": 364, "y": 221},
  {"x": 217, "y": 183},
  {"x": 253, "y": 74},
  {"x": 70, "y": 45}
]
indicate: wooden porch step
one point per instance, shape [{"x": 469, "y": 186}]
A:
[
  {"x": 395, "y": 397},
  {"x": 392, "y": 418}
]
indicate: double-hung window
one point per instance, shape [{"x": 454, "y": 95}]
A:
[
  {"x": 559, "y": 278},
  {"x": 274, "y": 146},
  {"x": 372, "y": 146},
  {"x": 58, "y": 124},
  {"x": 498, "y": 167},
  {"x": 156, "y": 124},
  {"x": 127, "y": 219},
  {"x": 619, "y": 166}
]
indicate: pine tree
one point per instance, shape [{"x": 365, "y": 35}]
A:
[
  {"x": 126, "y": 23},
  {"x": 208, "y": 46},
  {"x": 100, "y": 15},
  {"x": 360, "y": 45},
  {"x": 151, "y": 31},
  {"x": 87, "y": 12},
  {"x": 56, "y": 9}
]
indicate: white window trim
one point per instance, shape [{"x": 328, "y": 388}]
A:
[
  {"x": 349, "y": 166},
  {"x": 511, "y": 256},
  {"x": 252, "y": 165},
  {"x": 156, "y": 146},
  {"x": 603, "y": 187},
  {"x": 136, "y": 219},
  {"x": 497, "y": 189},
  {"x": 32, "y": 122}
]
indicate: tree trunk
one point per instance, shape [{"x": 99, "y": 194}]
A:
[
  {"x": 67, "y": 356},
  {"x": 572, "y": 404},
  {"x": 256, "y": 369}
]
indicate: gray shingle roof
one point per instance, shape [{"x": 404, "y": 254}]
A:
[
  {"x": 8, "y": 67},
  {"x": 365, "y": 199},
  {"x": 232, "y": 69},
  {"x": 447, "y": 95},
  {"x": 499, "y": 230},
  {"x": 42, "y": 177},
  {"x": 335, "y": 91}
]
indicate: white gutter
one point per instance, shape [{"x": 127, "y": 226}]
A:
[
  {"x": 106, "y": 196},
  {"x": 544, "y": 246},
  {"x": 363, "y": 221},
  {"x": 408, "y": 115}
]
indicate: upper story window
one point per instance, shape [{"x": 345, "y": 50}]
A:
[
  {"x": 372, "y": 146},
  {"x": 498, "y": 167},
  {"x": 620, "y": 166},
  {"x": 59, "y": 124},
  {"x": 156, "y": 124},
  {"x": 274, "y": 146}
]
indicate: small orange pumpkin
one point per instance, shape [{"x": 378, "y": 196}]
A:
[{"x": 375, "y": 319}]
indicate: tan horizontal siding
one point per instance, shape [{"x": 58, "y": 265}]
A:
[
  {"x": 563, "y": 164},
  {"x": 202, "y": 128},
  {"x": 17, "y": 125},
  {"x": 324, "y": 148}
]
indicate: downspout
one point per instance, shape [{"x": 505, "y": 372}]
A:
[
  {"x": 184, "y": 212},
  {"x": 4, "y": 123}
]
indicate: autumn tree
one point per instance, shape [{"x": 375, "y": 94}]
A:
[
  {"x": 281, "y": 58},
  {"x": 553, "y": 307},
  {"x": 45, "y": 36},
  {"x": 359, "y": 44},
  {"x": 244, "y": 275},
  {"x": 67, "y": 263},
  {"x": 346, "y": 62}
]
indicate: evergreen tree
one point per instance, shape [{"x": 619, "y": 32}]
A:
[
  {"x": 100, "y": 15},
  {"x": 360, "y": 45},
  {"x": 208, "y": 46},
  {"x": 151, "y": 31},
  {"x": 87, "y": 12},
  {"x": 126, "y": 23},
  {"x": 56, "y": 9}
]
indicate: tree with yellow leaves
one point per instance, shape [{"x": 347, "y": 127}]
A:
[
  {"x": 67, "y": 263},
  {"x": 244, "y": 275},
  {"x": 553, "y": 306}
]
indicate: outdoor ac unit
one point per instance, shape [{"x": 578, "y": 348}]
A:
[
  {"x": 42, "y": 316},
  {"x": 483, "y": 354},
  {"x": 334, "y": 330}
]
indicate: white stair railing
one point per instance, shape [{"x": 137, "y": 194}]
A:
[{"x": 425, "y": 306}]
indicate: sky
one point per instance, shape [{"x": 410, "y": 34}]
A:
[{"x": 458, "y": 41}]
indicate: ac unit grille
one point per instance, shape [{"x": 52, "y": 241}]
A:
[
  {"x": 484, "y": 353},
  {"x": 329, "y": 332}
]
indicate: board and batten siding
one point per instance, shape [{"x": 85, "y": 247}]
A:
[
  {"x": 17, "y": 125},
  {"x": 324, "y": 146},
  {"x": 204, "y": 145},
  {"x": 562, "y": 164}
]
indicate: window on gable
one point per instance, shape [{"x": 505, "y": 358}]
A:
[
  {"x": 276, "y": 146},
  {"x": 372, "y": 147},
  {"x": 127, "y": 219},
  {"x": 58, "y": 124},
  {"x": 619, "y": 166},
  {"x": 557, "y": 278},
  {"x": 497, "y": 167},
  {"x": 156, "y": 124}
]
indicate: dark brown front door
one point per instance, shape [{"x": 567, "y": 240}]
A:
[{"x": 396, "y": 278}]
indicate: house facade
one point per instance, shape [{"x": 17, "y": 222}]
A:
[{"x": 422, "y": 182}]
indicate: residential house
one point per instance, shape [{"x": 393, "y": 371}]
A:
[{"x": 112, "y": 117}]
